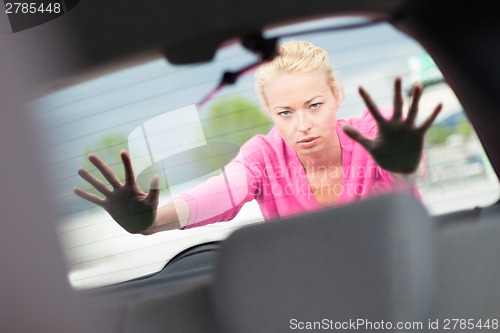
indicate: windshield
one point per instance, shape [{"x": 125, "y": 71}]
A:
[{"x": 152, "y": 111}]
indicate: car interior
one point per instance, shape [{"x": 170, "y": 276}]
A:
[{"x": 385, "y": 259}]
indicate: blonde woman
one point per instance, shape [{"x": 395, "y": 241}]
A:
[{"x": 309, "y": 159}]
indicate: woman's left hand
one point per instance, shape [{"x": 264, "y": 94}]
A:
[{"x": 398, "y": 145}]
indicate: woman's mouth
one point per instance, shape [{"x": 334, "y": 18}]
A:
[{"x": 308, "y": 142}]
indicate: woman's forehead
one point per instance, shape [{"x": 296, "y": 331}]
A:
[{"x": 296, "y": 87}]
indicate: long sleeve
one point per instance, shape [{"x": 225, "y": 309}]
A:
[{"x": 221, "y": 197}]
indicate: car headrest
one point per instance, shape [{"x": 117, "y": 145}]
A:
[{"x": 369, "y": 262}]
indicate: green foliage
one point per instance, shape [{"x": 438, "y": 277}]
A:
[
  {"x": 437, "y": 134},
  {"x": 464, "y": 128},
  {"x": 235, "y": 120}
]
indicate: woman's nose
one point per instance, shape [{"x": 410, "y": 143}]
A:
[{"x": 303, "y": 122}]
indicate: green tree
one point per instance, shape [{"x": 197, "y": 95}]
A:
[
  {"x": 437, "y": 134},
  {"x": 464, "y": 128},
  {"x": 235, "y": 120}
]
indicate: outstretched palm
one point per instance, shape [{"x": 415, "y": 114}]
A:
[
  {"x": 398, "y": 145},
  {"x": 127, "y": 204}
]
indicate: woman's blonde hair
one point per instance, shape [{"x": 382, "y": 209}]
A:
[{"x": 296, "y": 57}]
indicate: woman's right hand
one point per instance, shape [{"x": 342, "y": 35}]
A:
[{"x": 134, "y": 210}]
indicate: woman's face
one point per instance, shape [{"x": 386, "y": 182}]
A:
[{"x": 303, "y": 108}]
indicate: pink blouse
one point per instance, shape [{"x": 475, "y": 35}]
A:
[{"x": 268, "y": 170}]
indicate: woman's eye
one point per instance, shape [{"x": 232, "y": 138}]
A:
[
  {"x": 284, "y": 113},
  {"x": 315, "y": 105}
]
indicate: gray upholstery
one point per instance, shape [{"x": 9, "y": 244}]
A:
[
  {"x": 181, "y": 306},
  {"x": 468, "y": 269},
  {"x": 369, "y": 260}
]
